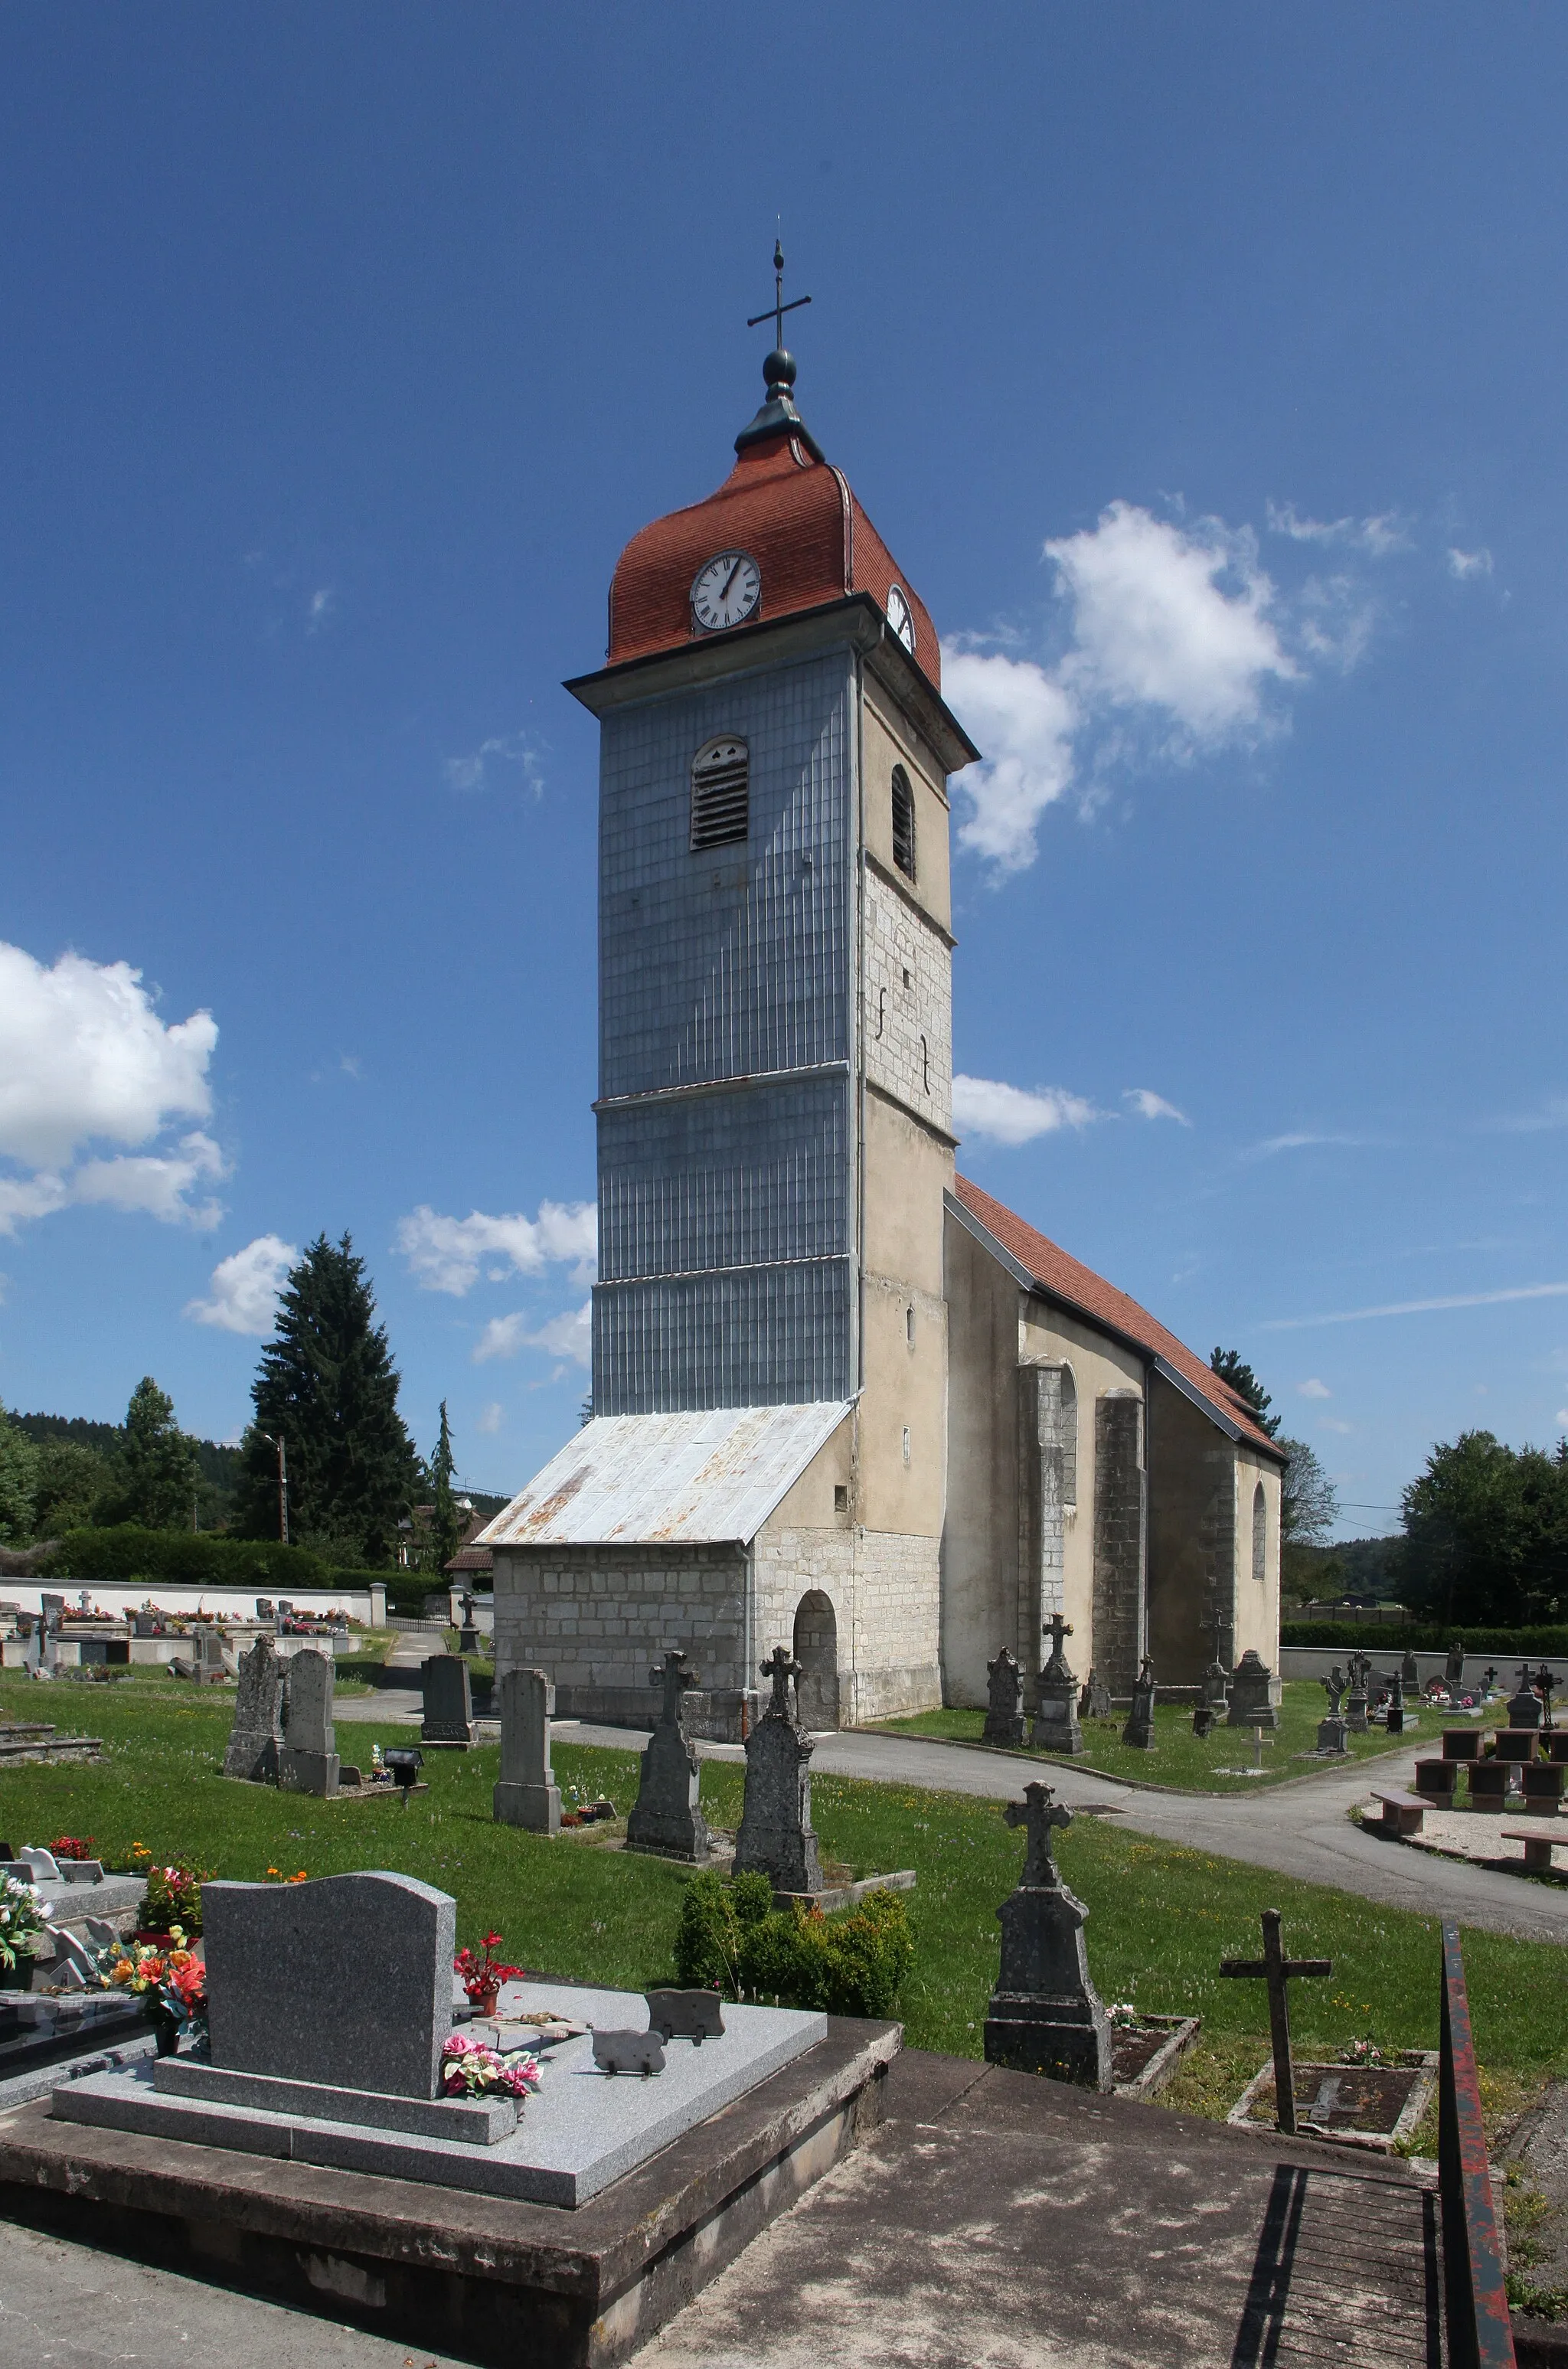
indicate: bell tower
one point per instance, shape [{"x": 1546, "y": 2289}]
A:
[{"x": 774, "y": 1104}]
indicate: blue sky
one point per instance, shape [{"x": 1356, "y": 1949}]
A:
[{"x": 1204, "y": 368}]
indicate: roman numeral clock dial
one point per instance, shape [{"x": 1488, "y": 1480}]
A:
[{"x": 727, "y": 591}]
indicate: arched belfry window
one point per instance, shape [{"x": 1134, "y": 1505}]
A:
[
  {"x": 720, "y": 793},
  {"x": 1260, "y": 1535},
  {"x": 903, "y": 823}
]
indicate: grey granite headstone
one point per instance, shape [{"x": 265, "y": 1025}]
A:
[
  {"x": 1055, "y": 1715},
  {"x": 527, "y": 1794},
  {"x": 51, "y": 1610},
  {"x": 207, "y": 1653},
  {"x": 1004, "y": 1701},
  {"x": 1410, "y": 1669},
  {"x": 665, "y": 1818},
  {"x": 1140, "y": 1729},
  {"x": 1045, "y": 2015},
  {"x": 345, "y": 1980},
  {"x": 1095, "y": 1700},
  {"x": 1524, "y": 1708},
  {"x": 449, "y": 1704},
  {"x": 775, "y": 1839},
  {"x": 1254, "y": 1693},
  {"x": 256, "y": 1736},
  {"x": 308, "y": 1757}
]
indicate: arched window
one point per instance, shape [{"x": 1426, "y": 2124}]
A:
[
  {"x": 1260, "y": 1535},
  {"x": 1068, "y": 1440},
  {"x": 903, "y": 823},
  {"x": 720, "y": 793}
]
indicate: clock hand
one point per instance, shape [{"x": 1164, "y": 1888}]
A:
[{"x": 730, "y": 578}]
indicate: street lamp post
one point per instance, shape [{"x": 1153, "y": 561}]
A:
[{"x": 276, "y": 1440}]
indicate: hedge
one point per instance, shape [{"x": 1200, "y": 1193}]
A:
[
  {"x": 1422, "y": 1637},
  {"x": 195, "y": 1558},
  {"x": 731, "y": 1939}
]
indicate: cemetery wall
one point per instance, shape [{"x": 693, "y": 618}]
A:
[
  {"x": 884, "y": 1588},
  {"x": 119, "y": 1596}
]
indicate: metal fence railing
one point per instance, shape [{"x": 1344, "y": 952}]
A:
[{"x": 1479, "y": 2332}]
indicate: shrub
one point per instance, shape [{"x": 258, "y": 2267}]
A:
[
  {"x": 187, "y": 1559},
  {"x": 731, "y": 1939},
  {"x": 1382, "y": 1638}
]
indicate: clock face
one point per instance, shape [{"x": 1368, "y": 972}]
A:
[
  {"x": 727, "y": 591},
  {"x": 901, "y": 616}
]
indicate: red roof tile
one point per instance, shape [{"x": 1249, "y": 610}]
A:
[
  {"x": 1078, "y": 1286},
  {"x": 801, "y": 524}
]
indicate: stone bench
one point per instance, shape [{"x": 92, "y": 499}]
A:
[
  {"x": 1402, "y": 1812},
  {"x": 1537, "y": 1848}
]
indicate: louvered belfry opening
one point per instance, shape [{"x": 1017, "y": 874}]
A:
[
  {"x": 903, "y": 823},
  {"x": 720, "y": 793}
]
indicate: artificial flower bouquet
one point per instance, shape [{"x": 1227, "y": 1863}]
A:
[
  {"x": 469, "y": 2069},
  {"x": 174, "y": 1894},
  {"x": 1365, "y": 2053},
  {"x": 21, "y": 1917},
  {"x": 171, "y": 1985},
  {"x": 483, "y": 1977},
  {"x": 75, "y": 1847}
]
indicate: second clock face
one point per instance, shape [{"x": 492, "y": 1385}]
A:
[
  {"x": 902, "y": 617},
  {"x": 727, "y": 591}
]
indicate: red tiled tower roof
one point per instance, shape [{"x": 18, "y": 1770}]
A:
[
  {"x": 1078, "y": 1286},
  {"x": 796, "y": 516}
]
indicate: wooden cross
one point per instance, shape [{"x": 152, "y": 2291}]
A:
[
  {"x": 1274, "y": 1968},
  {"x": 675, "y": 1678},
  {"x": 1055, "y": 1628},
  {"x": 781, "y": 1667},
  {"x": 1039, "y": 1814}
]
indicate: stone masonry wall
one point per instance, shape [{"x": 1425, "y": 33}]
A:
[
  {"x": 1119, "y": 1561},
  {"x": 885, "y": 1591},
  {"x": 908, "y": 1030},
  {"x": 1048, "y": 1461},
  {"x": 598, "y": 1616}
]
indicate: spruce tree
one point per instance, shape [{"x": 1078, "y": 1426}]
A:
[
  {"x": 18, "y": 1478},
  {"x": 446, "y": 1531},
  {"x": 158, "y": 1471},
  {"x": 327, "y": 1386}
]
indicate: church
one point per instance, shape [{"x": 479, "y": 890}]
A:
[{"x": 843, "y": 1400}]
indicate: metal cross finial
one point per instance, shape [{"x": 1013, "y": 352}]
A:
[
  {"x": 778, "y": 308},
  {"x": 1276, "y": 1969},
  {"x": 1039, "y": 1813}
]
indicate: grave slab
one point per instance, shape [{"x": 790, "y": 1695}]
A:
[{"x": 580, "y": 2132}]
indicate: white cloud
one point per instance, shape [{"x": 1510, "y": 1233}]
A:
[
  {"x": 490, "y": 1420},
  {"x": 1152, "y": 1105},
  {"x": 446, "y": 1253},
  {"x": 1463, "y": 564},
  {"x": 1313, "y": 1389},
  {"x": 567, "y": 1335},
  {"x": 1007, "y": 1114},
  {"x": 83, "y": 1061},
  {"x": 1332, "y": 1423},
  {"x": 243, "y": 1294},
  {"x": 321, "y": 608},
  {"x": 1561, "y": 1415},
  {"x": 1377, "y": 536},
  {"x": 1172, "y": 618},
  {"x": 474, "y": 772},
  {"x": 1301, "y": 1142},
  {"x": 1420, "y": 1306},
  {"x": 1023, "y": 721}
]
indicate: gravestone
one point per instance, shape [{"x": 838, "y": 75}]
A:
[
  {"x": 1254, "y": 1693},
  {"x": 256, "y": 1735},
  {"x": 1276, "y": 1969},
  {"x": 1216, "y": 1677},
  {"x": 665, "y": 1818},
  {"x": 1395, "y": 1715},
  {"x": 283, "y": 1960},
  {"x": 775, "y": 1839},
  {"x": 1358, "y": 1670},
  {"x": 308, "y": 1757},
  {"x": 1545, "y": 1687},
  {"x": 449, "y": 1705},
  {"x": 51, "y": 1611},
  {"x": 1140, "y": 1729},
  {"x": 264, "y": 1608},
  {"x": 145, "y": 1624},
  {"x": 1056, "y": 1717},
  {"x": 1004, "y": 1701},
  {"x": 1045, "y": 2014},
  {"x": 1408, "y": 1669},
  {"x": 1332, "y": 1730},
  {"x": 1454, "y": 1667},
  {"x": 207, "y": 1654},
  {"x": 527, "y": 1794},
  {"x": 1095, "y": 1703},
  {"x": 1524, "y": 1708}
]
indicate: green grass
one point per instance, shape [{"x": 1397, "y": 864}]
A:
[
  {"x": 1161, "y": 1916},
  {"x": 1178, "y": 1757}
]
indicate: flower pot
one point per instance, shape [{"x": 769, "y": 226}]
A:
[{"x": 484, "y": 2002}]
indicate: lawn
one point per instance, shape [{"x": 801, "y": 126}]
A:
[
  {"x": 1161, "y": 1916},
  {"x": 1179, "y": 1759}
]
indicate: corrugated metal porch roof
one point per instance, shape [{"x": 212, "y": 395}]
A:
[{"x": 668, "y": 1480}]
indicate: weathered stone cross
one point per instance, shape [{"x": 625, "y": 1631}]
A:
[
  {"x": 675, "y": 1677},
  {"x": 1039, "y": 1814},
  {"x": 781, "y": 1667},
  {"x": 1274, "y": 1968},
  {"x": 1055, "y": 1628}
]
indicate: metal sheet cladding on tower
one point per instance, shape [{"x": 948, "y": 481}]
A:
[{"x": 734, "y": 962}]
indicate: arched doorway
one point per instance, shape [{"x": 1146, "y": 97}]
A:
[{"x": 817, "y": 1650}]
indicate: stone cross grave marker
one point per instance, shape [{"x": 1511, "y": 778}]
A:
[
  {"x": 1545, "y": 1687},
  {"x": 776, "y": 1837},
  {"x": 449, "y": 1703},
  {"x": 1524, "y": 1708},
  {"x": 1331, "y": 1731},
  {"x": 1276, "y": 1969},
  {"x": 256, "y": 1736},
  {"x": 308, "y": 1757},
  {"x": 527, "y": 1794},
  {"x": 1056, "y": 1717},
  {"x": 1394, "y": 1716},
  {"x": 1140, "y": 1729},
  {"x": 1254, "y": 1693},
  {"x": 1216, "y": 1677},
  {"x": 346, "y": 1980},
  {"x": 665, "y": 1818},
  {"x": 1359, "y": 1670},
  {"x": 1045, "y": 2015},
  {"x": 1004, "y": 1701}
]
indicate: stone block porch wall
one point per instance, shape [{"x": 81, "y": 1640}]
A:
[{"x": 885, "y": 1591}]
